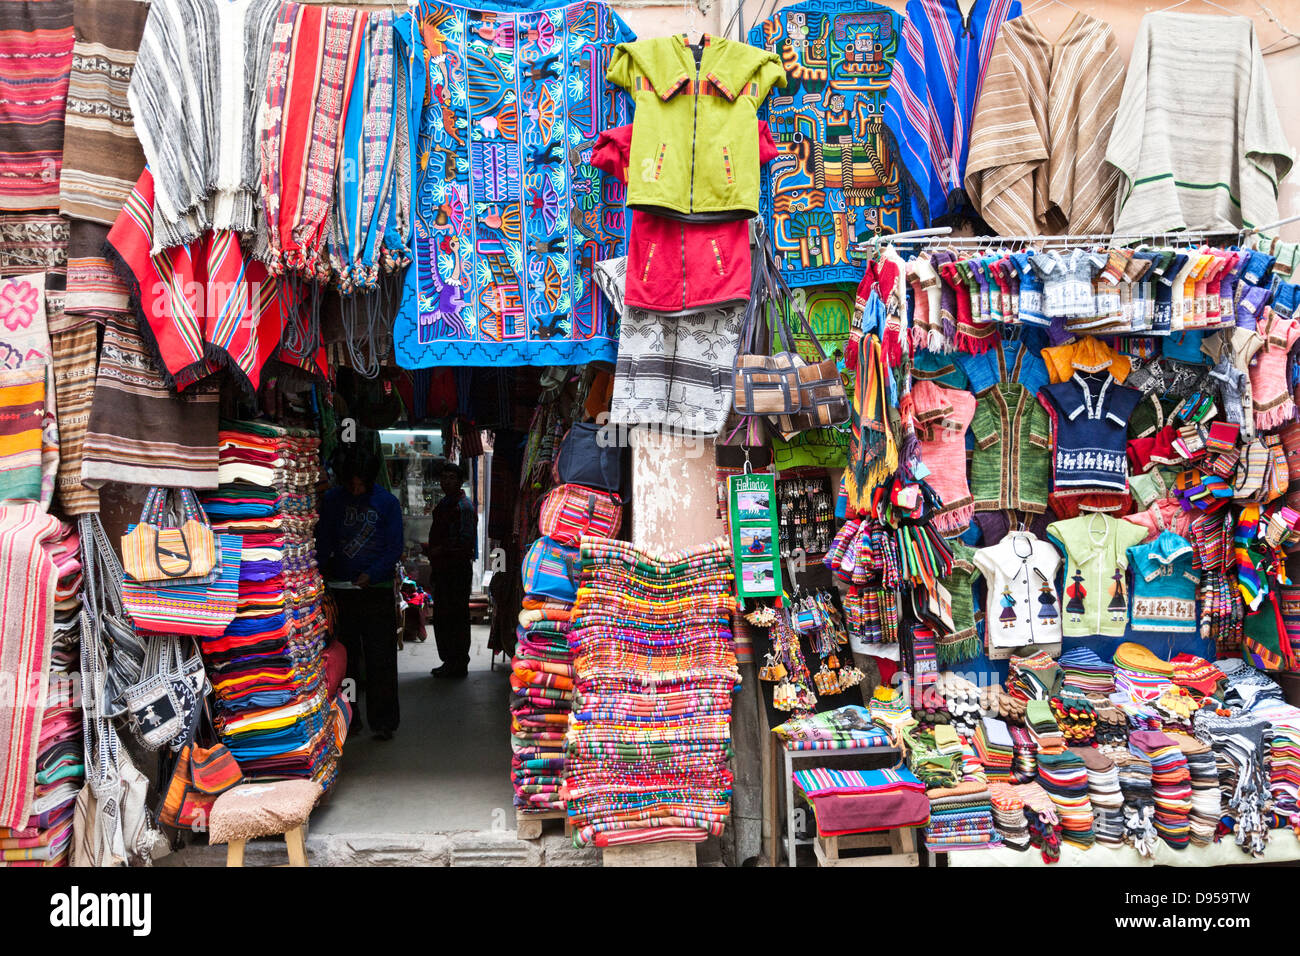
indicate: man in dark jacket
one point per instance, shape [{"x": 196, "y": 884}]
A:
[
  {"x": 359, "y": 542},
  {"x": 453, "y": 546}
]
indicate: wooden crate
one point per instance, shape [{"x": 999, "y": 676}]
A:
[{"x": 668, "y": 853}]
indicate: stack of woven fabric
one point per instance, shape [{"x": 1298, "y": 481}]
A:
[
  {"x": 1140, "y": 674},
  {"x": 1085, "y": 672},
  {"x": 60, "y": 764},
  {"x": 1242, "y": 739},
  {"x": 654, "y": 672},
  {"x": 1065, "y": 778},
  {"x": 267, "y": 670},
  {"x": 1104, "y": 795},
  {"x": 845, "y": 728},
  {"x": 541, "y": 697},
  {"x": 857, "y": 801},
  {"x": 1204, "y": 773},
  {"x": 1171, "y": 782},
  {"x": 1284, "y": 753},
  {"x": 961, "y": 818},
  {"x": 1024, "y": 767},
  {"x": 1009, "y": 816},
  {"x": 995, "y": 747},
  {"x": 1139, "y": 800}
]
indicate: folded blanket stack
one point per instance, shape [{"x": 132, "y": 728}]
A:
[
  {"x": 60, "y": 758},
  {"x": 1139, "y": 800},
  {"x": 1204, "y": 773},
  {"x": 1140, "y": 674},
  {"x": 1104, "y": 795},
  {"x": 1065, "y": 778},
  {"x": 1083, "y": 671},
  {"x": 1043, "y": 821},
  {"x": 1009, "y": 816},
  {"x": 1284, "y": 753},
  {"x": 857, "y": 801},
  {"x": 541, "y": 698},
  {"x": 1024, "y": 767},
  {"x": 654, "y": 672},
  {"x": 1171, "y": 783},
  {"x": 845, "y": 728},
  {"x": 995, "y": 747},
  {"x": 961, "y": 818},
  {"x": 273, "y": 708}
]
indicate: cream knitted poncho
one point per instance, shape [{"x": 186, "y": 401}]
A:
[{"x": 194, "y": 93}]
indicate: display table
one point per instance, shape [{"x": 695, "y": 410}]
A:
[{"x": 1283, "y": 847}]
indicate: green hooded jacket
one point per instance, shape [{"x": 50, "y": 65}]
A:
[{"x": 694, "y": 142}]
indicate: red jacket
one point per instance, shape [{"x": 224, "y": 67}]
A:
[{"x": 676, "y": 266}]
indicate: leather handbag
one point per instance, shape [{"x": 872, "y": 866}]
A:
[
  {"x": 551, "y": 570},
  {"x": 570, "y": 511},
  {"x": 763, "y": 383},
  {"x": 161, "y": 706},
  {"x": 587, "y": 458},
  {"x": 158, "y": 551},
  {"x": 199, "y": 775}
]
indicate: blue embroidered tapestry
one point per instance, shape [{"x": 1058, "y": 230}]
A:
[
  {"x": 510, "y": 216},
  {"x": 834, "y": 182}
]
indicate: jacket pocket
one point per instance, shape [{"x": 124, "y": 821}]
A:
[
  {"x": 728, "y": 170},
  {"x": 652, "y": 167},
  {"x": 719, "y": 261},
  {"x": 649, "y": 259}
]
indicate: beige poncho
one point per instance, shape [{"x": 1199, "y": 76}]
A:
[
  {"x": 1197, "y": 139},
  {"x": 1041, "y": 126}
]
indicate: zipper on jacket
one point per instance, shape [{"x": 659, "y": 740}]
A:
[
  {"x": 682, "y": 244},
  {"x": 695, "y": 118}
]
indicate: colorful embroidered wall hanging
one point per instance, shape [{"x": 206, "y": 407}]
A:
[
  {"x": 510, "y": 215},
  {"x": 835, "y": 181}
]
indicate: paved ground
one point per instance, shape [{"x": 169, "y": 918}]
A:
[{"x": 447, "y": 769}]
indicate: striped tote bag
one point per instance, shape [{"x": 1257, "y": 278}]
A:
[
  {"x": 570, "y": 511},
  {"x": 203, "y": 610}
]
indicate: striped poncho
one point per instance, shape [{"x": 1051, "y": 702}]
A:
[
  {"x": 1210, "y": 161},
  {"x": 194, "y": 95}
]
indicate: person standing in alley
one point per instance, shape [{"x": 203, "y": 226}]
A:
[
  {"x": 452, "y": 549},
  {"x": 359, "y": 542}
]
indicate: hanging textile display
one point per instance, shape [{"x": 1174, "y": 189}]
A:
[
  {"x": 510, "y": 215},
  {"x": 1038, "y": 137},
  {"x": 933, "y": 88},
  {"x": 138, "y": 431},
  {"x": 1185, "y": 167},
  {"x": 76, "y": 355},
  {"x": 836, "y": 181},
  {"x": 27, "y": 578},
  {"x": 26, "y": 354},
  {"x": 206, "y": 178},
  {"x": 36, "y": 50},
  {"x": 102, "y": 158}
]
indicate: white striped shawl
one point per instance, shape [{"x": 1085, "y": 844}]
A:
[
  {"x": 1197, "y": 139},
  {"x": 194, "y": 94},
  {"x": 1041, "y": 128}
]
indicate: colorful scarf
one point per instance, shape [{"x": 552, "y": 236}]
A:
[
  {"x": 1252, "y": 585},
  {"x": 36, "y": 50},
  {"x": 27, "y": 580},
  {"x": 511, "y": 215},
  {"x": 76, "y": 355}
]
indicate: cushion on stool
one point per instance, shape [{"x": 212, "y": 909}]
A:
[{"x": 253, "y": 810}]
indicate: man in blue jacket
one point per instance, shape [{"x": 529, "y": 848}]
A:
[{"x": 359, "y": 542}]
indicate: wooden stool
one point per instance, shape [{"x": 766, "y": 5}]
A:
[
  {"x": 900, "y": 843},
  {"x": 253, "y": 810}
]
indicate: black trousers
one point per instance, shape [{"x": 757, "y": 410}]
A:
[
  {"x": 368, "y": 629},
  {"x": 451, "y": 587}
]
